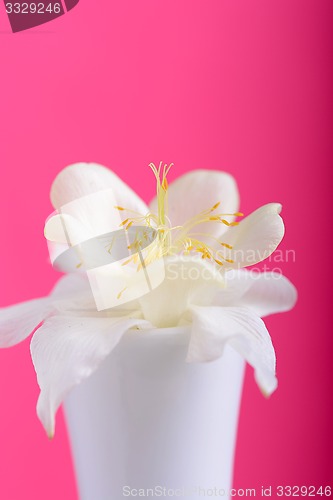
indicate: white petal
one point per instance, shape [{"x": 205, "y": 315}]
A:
[
  {"x": 88, "y": 196},
  {"x": 17, "y": 322},
  {"x": 264, "y": 293},
  {"x": 199, "y": 190},
  {"x": 213, "y": 327},
  {"x": 70, "y": 285},
  {"x": 75, "y": 246},
  {"x": 65, "y": 351},
  {"x": 66, "y": 229},
  {"x": 63, "y": 232},
  {"x": 72, "y": 294},
  {"x": 256, "y": 237},
  {"x": 81, "y": 179},
  {"x": 187, "y": 281}
]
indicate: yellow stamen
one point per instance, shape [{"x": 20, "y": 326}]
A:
[
  {"x": 229, "y": 223},
  {"x": 121, "y": 292},
  {"x": 127, "y": 261},
  {"x": 124, "y": 222},
  {"x": 225, "y": 222},
  {"x": 175, "y": 239}
]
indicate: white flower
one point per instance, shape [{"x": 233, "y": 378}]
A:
[{"x": 204, "y": 287}]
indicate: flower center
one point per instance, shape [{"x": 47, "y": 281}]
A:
[{"x": 185, "y": 239}]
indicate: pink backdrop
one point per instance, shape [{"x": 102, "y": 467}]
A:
[{"x": 239, "y": 85}]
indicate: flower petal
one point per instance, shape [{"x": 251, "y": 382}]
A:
[
  {"x": 264, "y": 293},
  {"x": 65, "y": 351},
  {"x": 92, "y": 205},
  {"x": 91, "y": 201},
  {"x": 199, "y": 190},
  {"x": 213, "y": 327},
  {"x": 256, "y": 237},
  {"x": 17, "y": 322},
  {"x": 70, "y": 285},
  {"x": 66, "y": 229},
  {"x": 75, "y": 247},
  {"x": 72, "y": 295},
  {"x": 188, "y": 281},
  {"x": 81, "y": 179}
]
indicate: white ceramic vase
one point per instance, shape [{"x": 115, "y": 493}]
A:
[{"x": 149, "y": 421}]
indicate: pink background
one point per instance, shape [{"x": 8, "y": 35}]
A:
[{"x": 240, "y": 85}]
